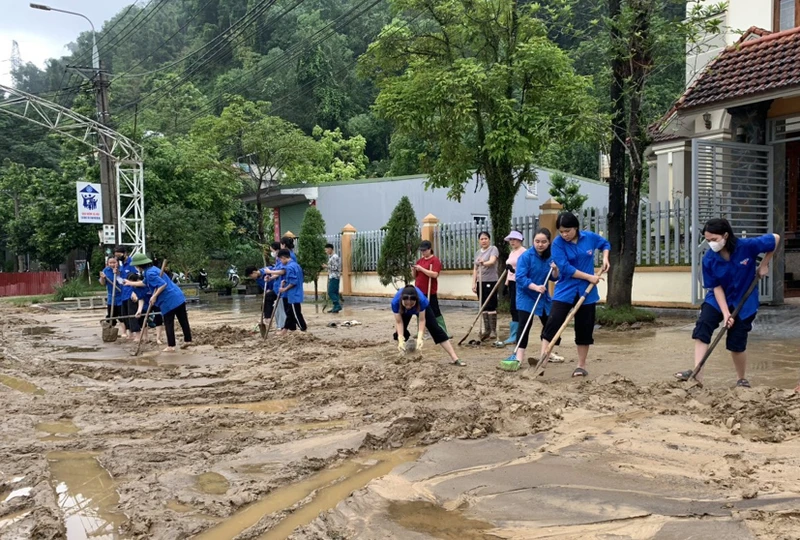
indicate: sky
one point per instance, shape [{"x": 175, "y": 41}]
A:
[{"x": 45, "y": 34}]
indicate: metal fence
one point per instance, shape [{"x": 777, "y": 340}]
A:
[
  {"x": 456, "y": 243},
  {"x": 28, "y": 283},
  {"x": 336, "y": 241},
  {"x": 367, "y": 250}
]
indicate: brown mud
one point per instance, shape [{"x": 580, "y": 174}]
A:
[{"x": 333, "y": 434}]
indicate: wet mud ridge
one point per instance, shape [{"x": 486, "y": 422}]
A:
[{"x": 335, "y": 435}]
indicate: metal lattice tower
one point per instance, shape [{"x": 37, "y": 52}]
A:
[{"x": 126, "y": 155}]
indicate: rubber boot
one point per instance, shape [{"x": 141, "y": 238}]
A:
[
  {"x": 440, "y": 322},
  {"x": 493, "y": 326},
  {"x": 512, "y": 337},
  {"x": 485, "y": 328}
]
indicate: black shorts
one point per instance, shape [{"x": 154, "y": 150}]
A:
[
  {"x": 584, "y": 321},
  {"x": 708, "y": 321}
]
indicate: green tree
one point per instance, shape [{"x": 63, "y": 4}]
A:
[
  {"x": 400, "y": 245},
  {"x": 311, "y": 247},
  {"x": 183, "y": 236},
  {"x": 567, "y": 192},
  {"x": 483, "y": 88}
]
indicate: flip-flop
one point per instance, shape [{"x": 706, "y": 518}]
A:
[
  {"x": 684, "y": 375},
  {"x": 580, "y": 372},
  {"x": 743, "y": 383},
  {"x": 458, "y": 362},
  {"x": 474, "y": 343}
]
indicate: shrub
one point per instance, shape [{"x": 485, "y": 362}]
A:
[
  {"x": 70, "y": 289},
  {"x": 623, "y": 315},
  {"x": 400, "y": 246}
]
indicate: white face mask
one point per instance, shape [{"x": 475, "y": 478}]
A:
[
  {"x": 273, "y": 253},
  {"x": 717, "y": 246}
]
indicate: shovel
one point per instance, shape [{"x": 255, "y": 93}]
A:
[
  {"x": 274, "y": 313},
  {"x": 262, "y": 328},
  {"x": 483, "y": 306},
  {"x": 110, "y": 333},
  {"x": 721, "y": 333},
  {"x": 543, "y": 360},
  {"x": 510, "y": 363}
]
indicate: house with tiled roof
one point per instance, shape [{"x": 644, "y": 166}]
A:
[{"x": 731, "y": 142}]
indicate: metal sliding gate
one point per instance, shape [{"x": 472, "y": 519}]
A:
[{"x": 733, "y": 181}]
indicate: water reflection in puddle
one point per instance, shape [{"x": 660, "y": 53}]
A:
[
  {"x": 21, "y": 385},
  {"x": 57, "y": 431},
  {"x": 427, "y": 518},
  {"x": 334, "y": 485},
  {"x": 87, "y": 496}
]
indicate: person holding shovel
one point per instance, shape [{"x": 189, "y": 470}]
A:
[
  {"x": 410, "y": 301},
  {"x": 291, "y": 291},
  {"x": 514, "y": 240},
  {"x": 167, "y": 296},
  {"x": 573, "y": 252},
  {"x": 262, "y": 278},
  {"x": 426, "y": 278},
  {"x": 484, "y": 278},
  {"x": 532, "y": 270},
  {"x": 108, "y": 278},
  {"x": 128, "y": 307},
  {"x": 729, "y": 268}
]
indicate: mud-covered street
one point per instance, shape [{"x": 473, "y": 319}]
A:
[{"x": 334, "y": 435}]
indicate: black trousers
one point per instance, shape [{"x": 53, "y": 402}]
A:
[
  {"x": 523, "y": 337},
  {"x": 129, "y": 307},
  {"x": 436, "y": 332},
  {"x": 169, "y": 324},
  {"x": 512, "y": 298},
  {"x": 434, "y": 305},
  {"x": 584, "y": 321},
  {"x": 294, "y": 316},
  {"x": 269, "y": 303},
  {"x": 115, "y": 312}
]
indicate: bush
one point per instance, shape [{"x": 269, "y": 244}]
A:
[
  {"x": 623, "y": 315},
  {"x": 72, "y": 288},
  {"x": 220, "y": 284}
]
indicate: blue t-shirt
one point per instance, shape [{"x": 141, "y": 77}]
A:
[
  {"x": 531, "y": 268},
  {"x": 125, "y": 269},
  {"x": 294, "y": 276},
  {"x": 570, "y": 257},
  {"x": 109, "y": 284},
  {"x": 736, "y": 274},
  {"x": 422, "y": 304},
  {"x": 276, "y": 282},
  {"x": 172, "y": 295}
]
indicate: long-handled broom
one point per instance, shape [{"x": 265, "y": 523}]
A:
[{"x": 511, "y": 363}]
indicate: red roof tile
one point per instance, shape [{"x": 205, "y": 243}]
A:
[{"x": 748, "y": 68}]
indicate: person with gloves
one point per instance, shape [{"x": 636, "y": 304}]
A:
[{"x": 410, "y": 301}]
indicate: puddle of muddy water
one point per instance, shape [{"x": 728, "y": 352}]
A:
[
  {"x": 87, "y": 496},
  {"x": 37, "y": 330},
  {"x": 57, "y": 431},
  {"x": 268, "y": 406},
  {"x": 332, "y": 486},
  {"x": 212, "y": 483},
  {"x": 428, "y": 518},
  {"x": 21, "y": 385}
]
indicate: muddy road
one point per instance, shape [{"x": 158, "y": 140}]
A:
[{"x": 334, "y": 435}]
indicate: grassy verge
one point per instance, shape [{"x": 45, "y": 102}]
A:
[
  {"x": 25, "y": 301},
  {"x": 74, "y": 288},
  {"x": 623, "y": 315}
]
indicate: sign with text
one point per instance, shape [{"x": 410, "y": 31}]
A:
[{"x": 90, "y": 203}]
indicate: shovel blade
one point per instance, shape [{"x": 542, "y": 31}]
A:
[{"x": 262, "y": 329}]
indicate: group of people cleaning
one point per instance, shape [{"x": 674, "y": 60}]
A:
[
  {"x": 139, "y": 297},
  {"x": 729, "y": 268}
]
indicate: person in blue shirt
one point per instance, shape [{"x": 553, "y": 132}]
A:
[
  {"x": 266, "y": 284},
  {"x": 128, "y": 307},
  {"x": 143, "y": 299},
  {"x": 729, "y": 268},
  {"x": 531, "y": 274},
  {"x": 410, "y": 301},
  {"x": 573, "y": 252},
  {"x": 287, "y": 242},
  {"x": 108, "y": 278},
  {"x": 167, "y": 296},
  {"x": 291, "y": 290}
]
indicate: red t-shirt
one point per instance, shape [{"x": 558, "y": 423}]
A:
[{"x": 433, "y": 264}]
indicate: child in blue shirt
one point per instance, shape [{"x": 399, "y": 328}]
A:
[
  {"x": 532, "y": 269},
  {"x": 729, "y": 268},
  {"x": 128, "y": 307},
  {"x": 573, "y": 252},
  {"x": 410, "y": 301},
  {"x": 291, "y": 290},
  {"x": 108, "y": 278}
]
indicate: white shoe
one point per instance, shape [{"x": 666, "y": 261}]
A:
[{"x": 556, "y": 359}]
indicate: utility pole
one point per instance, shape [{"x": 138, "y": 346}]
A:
[{"x": 107, "y": 167}]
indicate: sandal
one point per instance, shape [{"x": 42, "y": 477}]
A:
[
  {"x": 684, "y": 375},
  {"x": 580, "y": 372},
  {"x": 457, "y": 362},
  {"x": 743, "y": 383},
  {"x": 474, "y": 343}
]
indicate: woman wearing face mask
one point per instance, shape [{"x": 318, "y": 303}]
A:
[
  {"x": 573, "y": 252},
  {"x": 729, "y": 268}
]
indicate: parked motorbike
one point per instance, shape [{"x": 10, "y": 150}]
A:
[
  {"x": 179, "y": 277},
  {"x": 202, "y": 278},
  {"x": 233, "y": 275}
]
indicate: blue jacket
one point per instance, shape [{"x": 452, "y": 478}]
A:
[
  {"x": 276, "y": 282},
  {"x": 172, "y": 295},
  {"x": 109, "y": 284},
  {"x": 531, "y": 268},
  {"x": 570, "y": 257},
  {"x": 126, "y": 269},
  {"x": 736, "y": 274},
  {"x": 294, "y": 276},
  {"x": 422, "y": 305}
]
